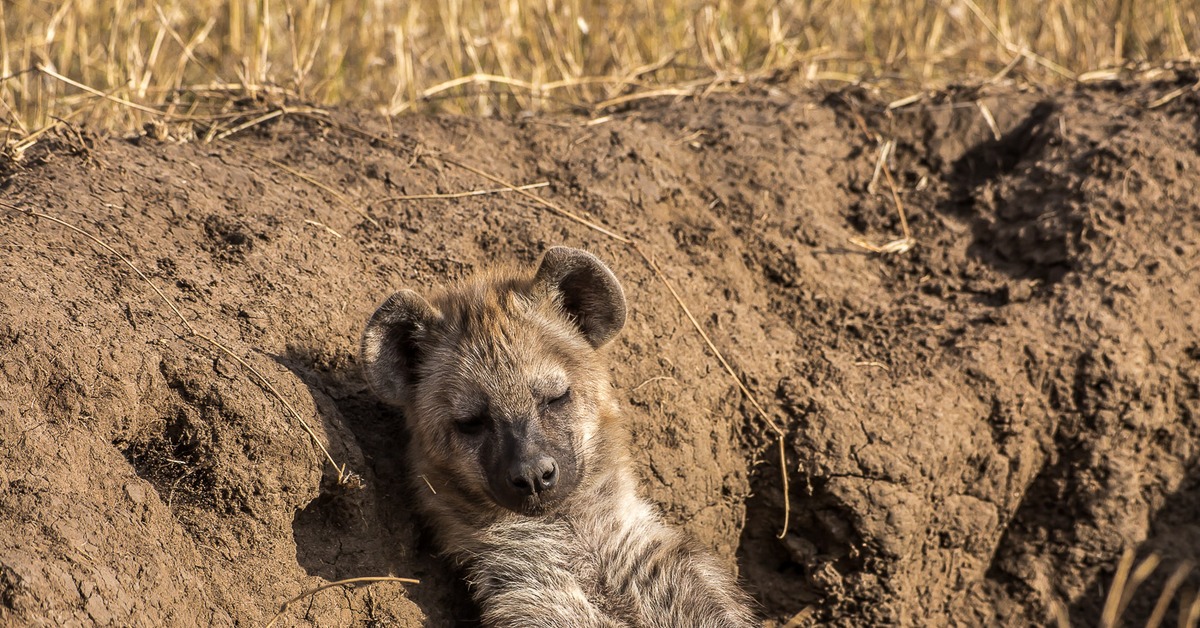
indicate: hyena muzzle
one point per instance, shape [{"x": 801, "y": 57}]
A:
[{"x": 520, "y": 456}]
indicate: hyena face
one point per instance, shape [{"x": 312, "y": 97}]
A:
[{"x": 500, "y": 382}]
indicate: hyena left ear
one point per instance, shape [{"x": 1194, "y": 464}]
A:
[
  {"x": 587, "y": 290},
  {"x": 391, "y": 344}
]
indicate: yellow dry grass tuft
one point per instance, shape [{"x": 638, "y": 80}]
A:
[{"x": 192, "y": 58}]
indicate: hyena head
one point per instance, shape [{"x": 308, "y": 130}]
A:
[{"x": 499, "y": 377}]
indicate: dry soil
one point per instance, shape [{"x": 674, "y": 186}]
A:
[{"x": 976, "y": 427}]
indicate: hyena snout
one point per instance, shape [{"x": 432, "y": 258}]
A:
[
  {"x": 533, "y": 475},
  {"x": 530, "y": 474}
]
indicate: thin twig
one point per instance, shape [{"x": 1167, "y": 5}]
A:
[
  {"x": 787, "y": 504},
  {"x": 490, "y": 177},
  {"x": 120, "y": 101},
  {"x": 989, "y": 119},
  {"x": 537, "y": 89},
  {"x": 906, "y": 241},
  {"x": 338, "y": 195},
  {"x": 1172, "y": 95},
  {"x": 707, "y": 341},
  {"x": 874, "y": 363},
  {"x": 636, "y": 96},
  {"x": 887, "y": 174},
  {"x": 659, "y": 378},
  {"x": 537, "y": 199},
  {"x": 1168, "y": 593},
  {"x": 885, "y": 151},
  {"x": 1108, "y": 616},
  {"x": 1139, "y": 575},
  {"x": 252, "y": 122},
  {"x": 322, "y": 226},
  {"x": 451, "y": 195}
]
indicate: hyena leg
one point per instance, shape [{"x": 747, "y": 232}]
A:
[
  {"x": 521, "y": 607},
  {"x": 526, "y": 576},
  {"x": 666, "y": 582}
]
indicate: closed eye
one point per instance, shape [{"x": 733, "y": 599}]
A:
[
  {"x": 559, "y": 400},
  {"x": 471, "y": 425}
]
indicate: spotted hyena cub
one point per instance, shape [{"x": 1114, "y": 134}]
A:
[{"x": 515, "y": 429}]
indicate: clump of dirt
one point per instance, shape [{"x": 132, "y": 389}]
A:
[{"x": 977, "y": 428}]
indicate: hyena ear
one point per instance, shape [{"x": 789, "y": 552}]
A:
[
  {"x": 586, "y": 289},
  {"x": 391, "y": 344}
]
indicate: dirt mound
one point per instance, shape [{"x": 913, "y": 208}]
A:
[{"x": 976, "y": 427}]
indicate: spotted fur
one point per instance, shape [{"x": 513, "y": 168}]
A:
[{"x": 505, "y": 368}]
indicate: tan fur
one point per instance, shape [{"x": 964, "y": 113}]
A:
[{"x": 598, "y": 555}]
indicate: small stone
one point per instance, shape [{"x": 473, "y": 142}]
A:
[
  {"x": 98, "y": 610},
  {"x": 825, "y": 578},
  {"x": 225, "y": 368},
  {"x": 800, "y": 549},
  {"x": 136, "y": 493}
]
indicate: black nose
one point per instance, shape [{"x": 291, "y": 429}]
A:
[{"x": 534, "y": 475}]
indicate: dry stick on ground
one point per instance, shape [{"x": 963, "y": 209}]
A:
[
  {"x": 1168, "y": 593},
  {"x": 1108, "y": 615},
  {"x": 264, "y": 117},
  {"x": 95, "y": 92},
  {"x": 450, "y": 195},
  {"x": 649, "y": 261},
  {"x": 906, "y": 241},
  {"x": 253, "y": 122},
  {"x": 329, "y": 585},
  {"x": 535, "y": 89},
  {"x": 1126, "y": 580},
  {"x": 1136, "y": 578},
  {"x": 338, "y": 195},
  {"x": 343, "y": 476}
]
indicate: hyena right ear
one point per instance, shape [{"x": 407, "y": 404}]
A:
[
  {"x": 587, "y": 290},
  {"x": 391, "y": 344}
]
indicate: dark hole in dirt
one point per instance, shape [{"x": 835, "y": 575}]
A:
[
  {"x": 995, "y": 157},
  {"x": 1032, "y": 229},
  {"x": 11, "y": 586},
  {"x": 227, "y": 237},
  {"x": 777, "y": 572},
  {"x": 173, "y": 455}
]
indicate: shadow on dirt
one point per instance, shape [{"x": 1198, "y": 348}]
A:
[
  {"x": 1174, "y": 536},
  {"x": 803, "y": 570},
  {"x": 1059, "y": 524},
  {"x": 1025, "y": 231},
  {"x": 377, "y": 532}
]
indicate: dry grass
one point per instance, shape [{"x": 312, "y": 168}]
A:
[
  {"x": 188, "y": 58},
  {"x": 1123, "y": 587}
]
